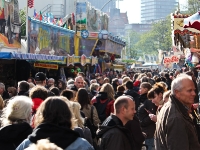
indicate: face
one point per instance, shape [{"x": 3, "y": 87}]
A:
[
  {"x": 187, "y": 94},
  {"x": 29, "y": 81},
  {"x": 79, "y": 83},
  {"x": 157, "y": 98},
  {"x": 101, "y": 81},
  {"x": 60, "y": 85},
  {"x": 50, "y": 82},
  {"x": 143, "y": 90},
  {"x": 130, "y": 111}
]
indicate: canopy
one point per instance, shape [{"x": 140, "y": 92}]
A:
[
  {"x": 193, "y": 21},
  {"x": 29, "y": 56}
]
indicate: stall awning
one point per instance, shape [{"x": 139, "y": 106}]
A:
[{"x": 29, "y": 56}]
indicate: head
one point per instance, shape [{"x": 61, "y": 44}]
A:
[
  {"x": 120, "y": 88},
  {"x": 23, "y": 86},
  {"x": 145, "y": 87},
  {"x": 76, "y": 113},
  {"x": 106, "y": 80},
  {"x": 93, "y": 81},
  {"x": 68, "y": 94},
  {"x": 55, "y": 90},
  {"x": 94, "y": 87},
  {"x": 129, "y": 85},
  {"x": 12, "y": 91},
  {"x": 125, "y": 79},
  {"x": 2, "y": 88},
  {"x": 81, "y": 74},
  {"x": 83, "y": 98},
  {"x": 100, "y": 80},
  {"x": 70, "y": 81},
  {"x": 183, "y": 89},
  {"x": 30, "y": 80},
  {"x": 50, "y": 82},
  {"x": 61, "y": 85},
  {"x": 124, "y": 108},
  {"x": 38, "y": 92},
  {"x": 18, "y": 110},
  {"x": 156, "y": 94},
  {"x": 107, "y": 88},
  {"x": 54, "y": 110},
  {"x": 79, "y": 82},
  {"x": 40, "y": 79}
]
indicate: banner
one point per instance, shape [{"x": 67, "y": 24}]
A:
[
  {"x": 83, "y": 60},
  {"x": 48, "y": 39},
  {"x": 81, "y": 16},
  {"x": 10, "y": 24},
  {"x": 47, "y": 66}
]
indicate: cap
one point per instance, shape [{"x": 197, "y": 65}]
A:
[{"x": 40, "y": 76}]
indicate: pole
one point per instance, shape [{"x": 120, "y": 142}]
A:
[
  {"x": 27, "y": 26},
  {"x": 106, "y": 4}
]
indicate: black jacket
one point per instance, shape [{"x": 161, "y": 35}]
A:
[
  {"x": 5, "y": 95},
  {"x": 61, "y": 136},
  {"x": 114, "y": 136},
  {"x": 135, "y": 96},
  {"x": 148, "y": 126},
  {"x": 118, "y": 94},
  {"x": 12, "y": 135}
]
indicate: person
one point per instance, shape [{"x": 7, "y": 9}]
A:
[
  {"x": 94, "y": 88},
  {"x": 112, "y": 134},
  {"x": 68, "y": 94},
  {"x": 147, "y": 107},
  {"x": 30, "y": 80},
  {"x": 174, "y": 128},
  {"x": 15, "y": 122},
  {"x": 53, "y": 121},
  {"x": 78, "y": 83},
  {"x": 12, "y": 91},
  {"x": 50, "y": 83},
  {"x": 61, "y": 85},
  {"x": 23, "y": 88},
  {"x": 120, "y": 91},
  {"x": 4, "y": 94}
]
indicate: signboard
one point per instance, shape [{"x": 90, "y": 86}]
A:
[
  {"x": 48, "y": 39},
  {"x": 10, "y": 24},
  {"x": 70, "y": 60},
  {"x": 81, "y": 16},
  {"x": 47, "y": 66}
]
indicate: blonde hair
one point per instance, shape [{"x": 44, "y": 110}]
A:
[
  {"x": 94, "y": 86},
  {"x": 18, "y": 109},
  {"x": 31, "y": 85},
  {"x": 108, "y": 88},
  {"x": 125, "y": 79},
  {"x": 76, "y": 112},
  {"x": 1, "y": 103},
  {"x": 43, "y": 144}
]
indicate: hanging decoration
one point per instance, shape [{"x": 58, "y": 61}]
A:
[
  {"x": 70, "y": 60},
  {"x": 83, "y": 60}
]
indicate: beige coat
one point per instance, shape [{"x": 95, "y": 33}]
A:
[{"x": 87, "y": 113}]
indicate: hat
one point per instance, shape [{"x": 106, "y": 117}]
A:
[{"x": 40, "y": 76}]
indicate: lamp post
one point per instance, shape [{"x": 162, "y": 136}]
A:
[{"x": 105, "y": 4}]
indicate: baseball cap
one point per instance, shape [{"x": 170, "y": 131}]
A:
[{"x": 40, "y": 76}]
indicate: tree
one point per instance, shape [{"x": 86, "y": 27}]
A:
[
  {"x": 22, "y": 14},
  {"x": 193, "y": 6}
]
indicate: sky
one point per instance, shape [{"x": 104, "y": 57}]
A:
[{"x": 132, "y": 7}]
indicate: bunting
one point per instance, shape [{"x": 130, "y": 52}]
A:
[{"x": 30, "y": 3}]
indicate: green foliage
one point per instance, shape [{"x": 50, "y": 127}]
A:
[
  {"x": 193, "y": 6},
  {"x": 128, "y": 61},
  {"x": 22, "y": 14},
  {"x": 159, "y": 37}
]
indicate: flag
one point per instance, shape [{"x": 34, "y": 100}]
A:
[
  {"x": 40, "y": 16},
  {"x": 30, "y": 3},
  {"x": 35, "y": 14}
]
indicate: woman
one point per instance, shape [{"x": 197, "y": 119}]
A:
[
  {"x": 83, "y": 98},
  {"x": 146, "y": 108},
  {"x": 115, "y": 83},
  {"x": 53, "y": 121},
  {"x": 15, "y": 122},
  {"x": 61, "y": 85},
  {"x": 104, "y": 101}
]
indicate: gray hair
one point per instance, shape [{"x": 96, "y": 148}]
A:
[
  {"x": 51, "y": 79},
  {"x": 94, "y": 86},
  {"x": 177, "y": 82},
  {"x": 2, "y": 86}
]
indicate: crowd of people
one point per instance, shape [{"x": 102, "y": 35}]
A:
[{"x": 109, "y": 111}]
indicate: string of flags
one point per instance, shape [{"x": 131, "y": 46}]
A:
[{"x": 48, "y": 18}]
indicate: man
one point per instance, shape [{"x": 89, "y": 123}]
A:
[
  {"x": 50, "y": 83},
  {"x": 23, "y": 88},
  {"x": 112, "y": 133},
  {"x": 100, "y": 80},
  {"x": 174, "y": 128},
  {"x": 78, "y": 83},
  {"x": 3, "y": 92}
]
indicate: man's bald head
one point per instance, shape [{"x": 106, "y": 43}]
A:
[{"x": 122, "y": 101}]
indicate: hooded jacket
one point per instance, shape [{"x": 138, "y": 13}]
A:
[
  {"x": 61, "y": 136},
  {"x": 114, "y": 136},
  {"x": 12, "y": 135}
]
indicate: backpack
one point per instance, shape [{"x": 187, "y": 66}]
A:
[
  {"x": 101, "y": 108},
  {"x": 90, "y": 124}
]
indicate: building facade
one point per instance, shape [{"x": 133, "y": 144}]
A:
[
  {"x": 138, "y": 27},
  {"x": 152, "y": 10}
]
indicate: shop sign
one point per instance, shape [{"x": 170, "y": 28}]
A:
[
  {"x": 47, "y": 66},
  {"x": 70, "y": 60},
  {"x": 83, "y": 60}
]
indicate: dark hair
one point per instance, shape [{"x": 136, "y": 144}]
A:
[
  {"x": 38, "y": 92},
  {"x": 63, "y": 84},
  {"x": 129, "y": 85},
  {"x": 144, "y": 79},
  {"x": 56, "y": 91},
  {"x": 55, "y": 111},
  {"x": 23, "y": 86},
  {"x": 156, "y": 89},
  {"x": 82, "y": 74},
  {"x": 83, "y": 98},
  {"x": 32, "y": 79},
  {"x": 67, "y": 93},
  {"x": 146, "y": 85},
  {"x": 120, "y": 88}
]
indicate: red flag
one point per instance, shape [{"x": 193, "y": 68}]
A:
[
  {"x": 30, "y": 3},
  {"x": 40, "y": 16}
]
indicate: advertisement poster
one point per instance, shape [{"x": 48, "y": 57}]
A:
[
  {"x": 49, "y": 39},
  {"x": 81, "y": 16},
  {"x": 10, "y": 24}
]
